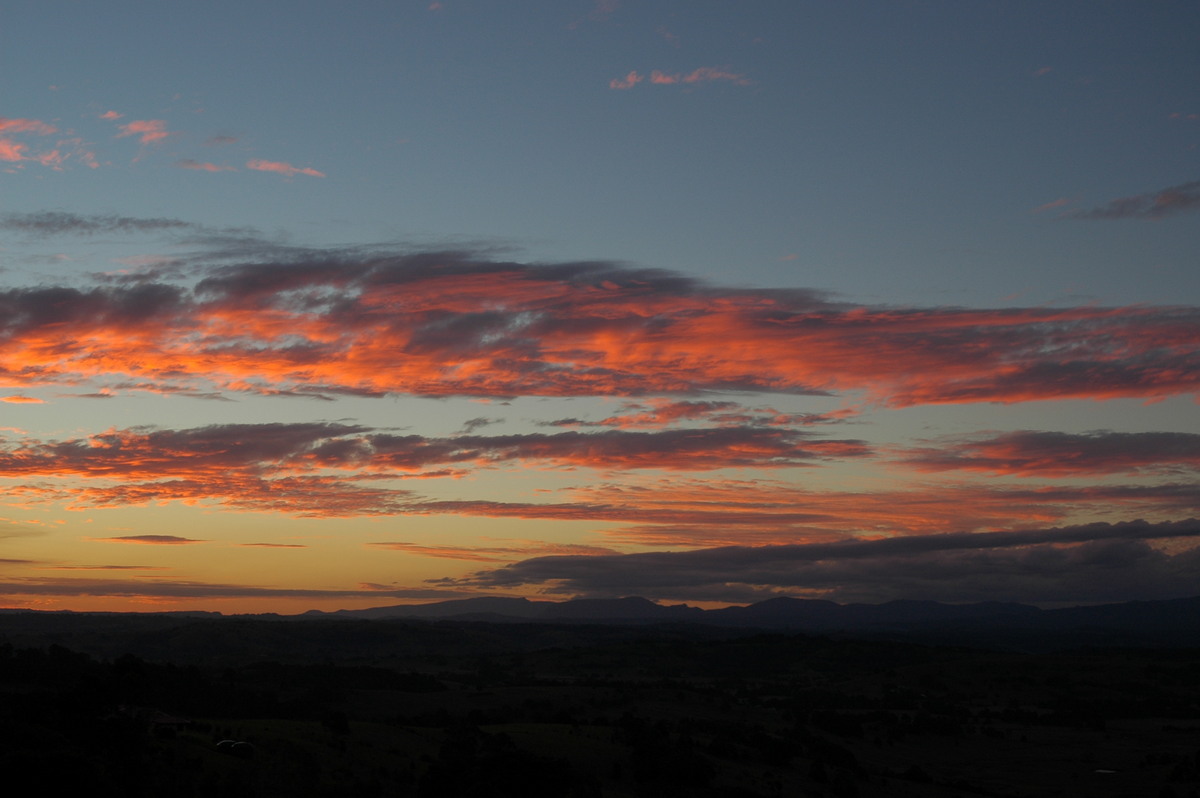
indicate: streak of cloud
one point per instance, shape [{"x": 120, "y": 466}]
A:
[
  {"x": 1058, "y": 454},
  {"x": 180, "y": 589},
  {"x": 699, "y": 75},
  {"x": 150, "y": 540},
  {"x": 282, "y": 168},
  {"x": 489, "y": 553},
  {"x": 53, "y": 223},
  {"x": 1170, "y": 201},
  {"x": 202, "y": 166}
]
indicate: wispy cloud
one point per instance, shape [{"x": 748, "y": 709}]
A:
[
  {"x": 148, "y": 131},
  {"x": 628, "y": 82},
  {"x": 203, "y": 166},
  {"x": 490, "y": 553},
  {"x": 179, "y": 589},
  {"x": 1052, "y": 205},
  {"x": 36, "y": 126},
  {"x": 282, "y": 168},
  {"x": 699, "y": 75},
  {"x": 1059, "y": 454},
  {"x": 151, "y": 540},
  {"x": 691, "y": 512},
  {"x": 1170, "y": 201},
  {"x": 51, "y": 223},
  {"x": 16, "y": 152},
  {"x": 18, "y": 399},
  {"x": 269, "y": 466}
]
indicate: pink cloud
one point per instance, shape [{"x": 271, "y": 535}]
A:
[
  {"x": 26, "y": 126},
  {"x": 627, "y": 82},
  {"x": 111, "y": 115},
  {"x": 281, "y": 167},
  {"x": 188, "y": 163},
  {"x": 148, "y": 131},
  {"x": 11, "y": 151}
]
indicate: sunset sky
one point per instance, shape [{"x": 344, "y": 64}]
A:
[{"x": 337, "y": 305}]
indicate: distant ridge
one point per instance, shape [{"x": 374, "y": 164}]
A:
[
  {"x": 1171, "y": 623},
  {"x": 792, "y": 613}
]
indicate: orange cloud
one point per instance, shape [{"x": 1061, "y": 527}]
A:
[
  {"x": 444, "y": 325},
  {"x": 17, "y": 399},
  {"x": 282, "y": 168},
  {"x": 324, "y": 469}
]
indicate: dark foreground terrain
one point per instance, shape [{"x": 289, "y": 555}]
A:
[{"x": 173, "y": 705}]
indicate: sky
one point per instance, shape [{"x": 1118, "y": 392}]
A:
[{"x": 314, "y": 305}]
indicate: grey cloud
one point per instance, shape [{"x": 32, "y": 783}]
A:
[
  {"x": 1110, "y": 561},
  {"x": 54, "y": 223},
  {"x": 156, "y": 540},
  {"x": 1155, "y": 205},
  {"x": 1033, "y": 452},
  {"x": 184, "y": 589}
]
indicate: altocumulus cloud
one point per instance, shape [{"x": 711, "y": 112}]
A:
[{"x": 310, "y": 322}]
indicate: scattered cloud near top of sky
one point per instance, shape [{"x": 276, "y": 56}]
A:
[
  {"x": 22, "y": 142},
  {"x": 203, "y": 166},
  {"x": 282, "y": 168},
  {"x": 698, "y": 75},
  {"x": 148, "y": 131}
]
